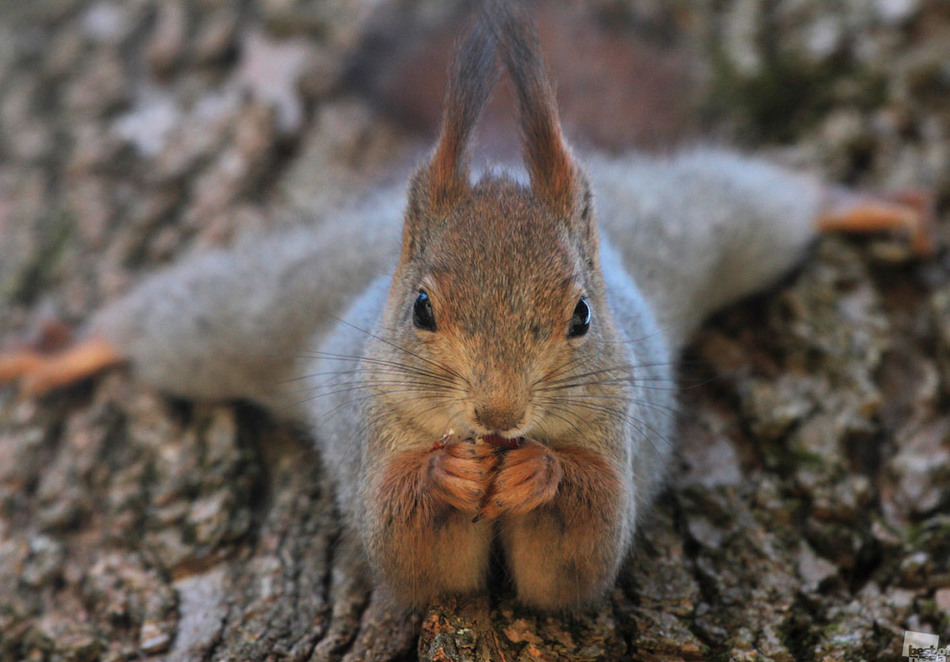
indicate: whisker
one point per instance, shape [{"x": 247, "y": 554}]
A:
[
  {"x": 591, "y": 373},
  {"x": 350, "y": 389},
  {"x": 626, "y": 379},
  {"x": 439, "y": 402},
  {"x": 559, "y": 369},
  {"x": 403, "y": 349},
  {"x": 640, "y": 425},
  {"x": 623, "y": 367},
  {"x": 673, "y": 410},
  {"x": 645, "y": 384},
  {"x": 382, "y": 362},
  {"x": 549, "y": 412}
]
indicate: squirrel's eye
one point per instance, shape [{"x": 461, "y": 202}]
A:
[
  {"x": 580, "y": 320},
  {"x": 422, "y": 315}
]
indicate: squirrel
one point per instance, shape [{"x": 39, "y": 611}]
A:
[{"x": 489, "y": 371}]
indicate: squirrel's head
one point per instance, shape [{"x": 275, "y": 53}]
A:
[{"x": 498, "y": 296}]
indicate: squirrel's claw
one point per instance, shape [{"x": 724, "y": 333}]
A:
[
  {"x": 922, "y": 232},
  {"x": 24, "y": 356},
  {"x": 459, "y": 474},
  {"x": 528, "y": 477},
  {"x": 910, "y": 212},
  {"x": 17, "y": 363},
  {"x": 40, "y": 373}
]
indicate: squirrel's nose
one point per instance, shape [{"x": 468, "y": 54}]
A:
[{"x": 499, "y": 416}]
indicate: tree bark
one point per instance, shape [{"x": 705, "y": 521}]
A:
[{"x": 805, "y": 518}]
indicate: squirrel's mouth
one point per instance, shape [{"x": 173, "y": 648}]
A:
[{"x": 498, "y": 441}]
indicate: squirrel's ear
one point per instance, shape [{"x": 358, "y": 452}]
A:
[
  {"x": 439, "y": 184},
  {"x": 554, "y": 176}
]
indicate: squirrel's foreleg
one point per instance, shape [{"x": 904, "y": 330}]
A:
[
  {"x": 421, "y": 538},
  {"x": 567, "y": 551}
]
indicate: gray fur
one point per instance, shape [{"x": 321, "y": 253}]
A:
[
  {"x": 233, "y": 324},
  {"x": 338, "y": 412},
  {"x": 652, "y": 400},
  {"x": 702, "y": 229}
]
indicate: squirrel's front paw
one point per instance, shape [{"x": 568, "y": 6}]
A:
[
  {"x": 528, "y": 477},
  {"x": 459, "y": 474}
]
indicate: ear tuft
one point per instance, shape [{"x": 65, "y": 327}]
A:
[
  {"x": 547, "y": 158},
  {"x": 472, "y": 77}
]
